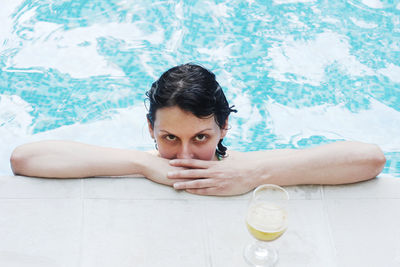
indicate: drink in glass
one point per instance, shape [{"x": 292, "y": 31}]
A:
[{"x": 266, "y": 220}]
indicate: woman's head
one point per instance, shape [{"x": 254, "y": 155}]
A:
[{"x": 193, "y": 91}]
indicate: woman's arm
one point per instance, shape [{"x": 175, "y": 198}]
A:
[
  {"x": 66, "y": 159},
  {"x": 337, "y": 163}
]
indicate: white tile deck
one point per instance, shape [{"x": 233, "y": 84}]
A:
[{"x": 135, "y": 222}]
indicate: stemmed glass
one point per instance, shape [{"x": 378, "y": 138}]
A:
[{"x": 266, "y": 220}]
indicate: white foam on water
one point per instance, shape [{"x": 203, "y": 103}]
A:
[
  {"x": 14, "y": 114},
  {"x": 392, "y": 72},
  {"x": 218, "y": 53},
  {"x": 296, "y": 22},
  {"x": 379, "y": 124},
  {"x": 363, "y": 24},
  {"x": 6, "y": 10},
  {"x": 75, "y": 51},
  {"x": 179, "y": 13},
  {"x": 219, "y": 10},
  {"x": 250, "y": 116},
  {"x": 15, "y": 124},
  {"x": 175, "y": 41},
  {"x": 307, "y": 59},
  {"x": 373, "y": 3},
  {"x": 248, "y": 113},
  {"x": 331, "y": 20},
  {"x": 126, "y": 129},
  {"x": 292, "y": 1}
]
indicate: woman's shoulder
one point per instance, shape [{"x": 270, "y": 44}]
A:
[{"x": 153, "y": 152}]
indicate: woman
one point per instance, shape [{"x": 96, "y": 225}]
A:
[{"x": 188, "y": 119}]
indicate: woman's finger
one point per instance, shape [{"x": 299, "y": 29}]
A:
[
  {"x": 191, "y": 163},
  {"x": 194, "y": 184},
  {"x": 188, "y": 174},
  {"x": 179, "y": 180}
]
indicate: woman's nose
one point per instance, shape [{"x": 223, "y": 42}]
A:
[{"x": 185, "y": 152}]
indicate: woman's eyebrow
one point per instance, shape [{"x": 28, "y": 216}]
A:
[
  {"x": 208, "y": 129},
  {"x": 204, "y": 130}
]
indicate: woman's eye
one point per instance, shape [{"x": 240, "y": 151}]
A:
[
  {"x": 170, "y": 137},
  {"x": 201, "y": 137}
]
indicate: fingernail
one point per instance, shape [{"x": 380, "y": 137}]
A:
[
  {"x": 177, "y": 185},
  {"x": 172, "y": 161}
]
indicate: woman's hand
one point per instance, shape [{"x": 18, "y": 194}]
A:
[
  {"x": 156, "y": 170},
  {"x": 227, "y": 177},
  {"x": 335, "y": 163}
]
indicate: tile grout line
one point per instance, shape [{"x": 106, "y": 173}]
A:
[
  {"x": 328, "y": 223},
  {"x": 184, "y": 199},
  {"x": 82, "y": 225},
  {"x": 207, "y": 244}
]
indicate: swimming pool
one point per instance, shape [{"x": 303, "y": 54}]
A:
[{"x": 301, "y": 73}]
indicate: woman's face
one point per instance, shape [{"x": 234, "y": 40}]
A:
[{"x": 181, "y": 135}]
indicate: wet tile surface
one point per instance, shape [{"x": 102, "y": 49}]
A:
[
  {"x": 143, "y": 233},
  {"x": 135, "y": 222},
  {"x": 28, "y": 187},
  {"x": 365, "y": 231},
  {"x": 40, "y": 232}
]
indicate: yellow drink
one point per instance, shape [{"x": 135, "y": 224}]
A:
[{"x": 266, "y": 221}]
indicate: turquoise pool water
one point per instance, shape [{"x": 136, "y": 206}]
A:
[{"x": 301, "y": 73}]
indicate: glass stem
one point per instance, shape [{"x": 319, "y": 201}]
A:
[{"x": 262, "y": 250}]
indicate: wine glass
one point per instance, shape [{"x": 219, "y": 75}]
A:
[{"x": 266, "y": 220}]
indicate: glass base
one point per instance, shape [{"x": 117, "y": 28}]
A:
[{"x": 260, "y": 254}]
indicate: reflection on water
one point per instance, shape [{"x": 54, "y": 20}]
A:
[{"x": 300, "y": 72}]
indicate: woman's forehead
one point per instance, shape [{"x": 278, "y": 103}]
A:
[{"x": 175, "y": 118}]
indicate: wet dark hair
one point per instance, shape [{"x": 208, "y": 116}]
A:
[{"x": 194, "y": 89}]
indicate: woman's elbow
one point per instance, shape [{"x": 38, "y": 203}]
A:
[
  {"x": 377, "y": 160},
  {"x": 17, "y": 161}
]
